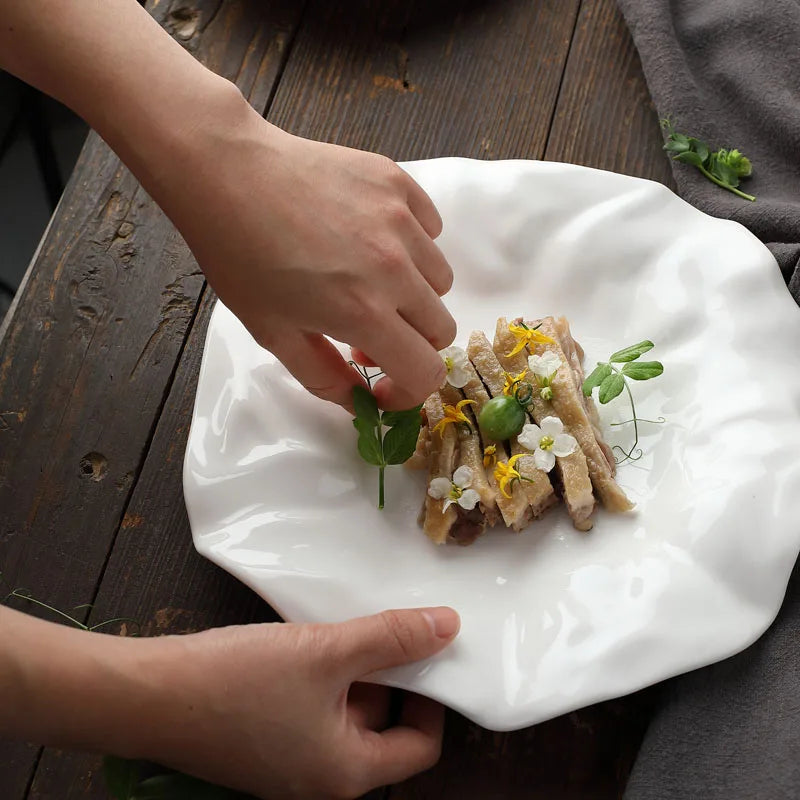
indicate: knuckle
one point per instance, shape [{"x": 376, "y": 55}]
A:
[
  {"x": 390, "y": 257},
  {"x": 400, "y": 633},
  {"x": 398, "y": 214}
]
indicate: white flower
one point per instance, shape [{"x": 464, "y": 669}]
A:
[
  {"x": 547, "y": 442},
  {"x": 544, "y": 366},
  {"x": 457, "y": 363},
  {"x": 455, "y": 490}
]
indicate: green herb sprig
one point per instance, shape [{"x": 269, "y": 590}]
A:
[
  {"x": 385, "y": 438},
  {"x": 610, "y": 380},
  {"x": 726, "y": 168},
  {"x": 24, "y": 594},
  {"x": 141, "y": 780}
]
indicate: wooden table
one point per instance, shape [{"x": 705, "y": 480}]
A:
[{"x": 99, "y": 358}]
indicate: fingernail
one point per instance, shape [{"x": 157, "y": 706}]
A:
[{"x": 444, "y": 621}]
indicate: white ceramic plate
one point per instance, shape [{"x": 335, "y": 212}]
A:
[{"x": 552, "y": 620}]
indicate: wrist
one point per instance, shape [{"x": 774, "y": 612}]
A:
[{"x": 69, "y": 688}]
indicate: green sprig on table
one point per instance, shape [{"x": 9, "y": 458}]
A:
[
  {"x": 724, "y": 167},
  {"x": 379, "y": 448},
  {"x": 140, "y": 780},
  {"x": 610, "y": 380}
]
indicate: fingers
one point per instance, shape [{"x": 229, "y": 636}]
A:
[
  {"x": 422, "y": 208},
  {"x": 429, "y": 259},
  {"x": 426, "y": 313},
  {"x": 319, "y": 366},
  {"x": 393, "y": 638},
  {"x": 411, "y": 747},
  {"x": 412, "y": 364},
  {"x": 361, "y": 358}
]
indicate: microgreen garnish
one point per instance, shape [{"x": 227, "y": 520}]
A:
[
  {"x": 611, "y": 380},
  {"x": 24, "y": 594},
  {"x": 724, "y": 167},
  {"x": 380, "y": 449}
]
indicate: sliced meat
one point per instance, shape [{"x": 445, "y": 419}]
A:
[
  {"x": 437, "y": 522},
  {"x": 469, "y": 525},
  {"x": 516, "y": 511},
  {"x": 537, "y": 487},
  {"x": 569, "y": 407},
  {"x": 573, "y": 469},
  {"x": 470, "y": 454},
  {"x": 419, "y": 458},
  {"x": 574, "y": 354}
]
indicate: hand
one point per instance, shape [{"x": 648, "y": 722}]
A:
[
  {"x": 275, "y": 710},
  {"x": 302, "y": 239}
]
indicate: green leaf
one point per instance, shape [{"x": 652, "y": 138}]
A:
[
  {"x": 677, "y": 143},
  {"x": 611, "y": 387},
  {"x": 701, "y": 148},
  {"x": 121, "y": 776},
  {"x": 643, "y": 370},
  {"x": 369, "y": 448},
  {"x": 631, "y": 353},
  {"x": 400, "y": 441},
  {"x": 689, "y": 157},
  {"x": 723, "y": 171},
  {"x": 365, "y": 405},
  {"x": 596, "y": 377},
  {"x": 392, "y": 418}
]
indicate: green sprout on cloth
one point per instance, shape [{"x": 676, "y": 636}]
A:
[{"x": 726, "y": 168}]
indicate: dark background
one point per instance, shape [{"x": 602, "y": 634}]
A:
[{"x": 39, "y": 144}]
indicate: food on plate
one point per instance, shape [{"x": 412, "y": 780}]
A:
[{"x": 512, "y": 431}]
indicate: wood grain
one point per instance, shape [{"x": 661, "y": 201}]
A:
[
  {"x": 419, "y": 79},
  {"x": 605, "y": 117},
  {"x": 88, "y": 357}
]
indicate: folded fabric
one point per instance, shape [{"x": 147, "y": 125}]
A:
[{"x": 728, "y": 72}]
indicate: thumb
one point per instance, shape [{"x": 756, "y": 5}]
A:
[{"x": 394, "y": 638}]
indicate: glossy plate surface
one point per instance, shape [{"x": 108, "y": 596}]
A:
[{"x": 552, "y": 619}]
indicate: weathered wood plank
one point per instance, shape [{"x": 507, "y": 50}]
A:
[
  {"x": 418, "y": 79},
  {"x": 88, "y": 356},
  {"x": 604, "y": 118}
]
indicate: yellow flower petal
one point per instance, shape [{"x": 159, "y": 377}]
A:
[
  {"x": 524, "y": 336},
  {"x": 511, "y": 381},
  {"x": 518, "y": 347}
]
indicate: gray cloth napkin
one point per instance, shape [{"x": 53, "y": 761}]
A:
[{"x": 728, "y": 72}]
